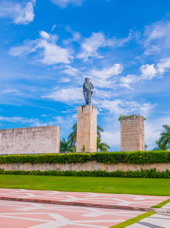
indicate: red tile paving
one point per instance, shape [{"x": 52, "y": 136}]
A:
[
  {"x": 83, "y": 198},
  {"x": 38, "y": 215}
]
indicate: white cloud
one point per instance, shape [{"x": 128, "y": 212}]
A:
[
  {"x": 52, "y": 53},
  {"x": 157, "y": 37},
  {"x": 64, "y": 3},
  {"x": 17, "y": 119},
  {"x": 89, "y": 46},
  {"x": 119, "y": 106},
  {"x": 152, "y": 50},
  {"x": 28, "y": 47},
  {"x": 20, "y": 13},
  {"x": 49, "y": 52},
  {"x": 102, "y": 94},
  {"x": 129, "y": 79},
  {"x": 44, "y": 35},
  {"x": 119, "y": 42},
  {"x": 100, "y": 77},
  {"x": 10, "y": 91},
  {"x": 76, "y": 36},
  {"x": 163, "y": 65},
  {"x": 148, "y": 71},
  {"x": 63, "y": 119},
  {"x": 111, "y": 138},
  {"x": 107, "y": 72},
  {"x": 70, "y": 70},
  {"x": 67, "y": 95},
  {"x": 64, "y": 80},
  {"x": 54, "y": 26}
]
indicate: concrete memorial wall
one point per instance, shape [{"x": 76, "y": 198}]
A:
[
  {"x": 32, "y": 140},
  {"x": 88, "y": 166}
]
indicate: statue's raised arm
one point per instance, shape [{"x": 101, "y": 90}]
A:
[{"x": 87, "y": 90}]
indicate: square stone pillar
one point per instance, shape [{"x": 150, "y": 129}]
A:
[
  {"x": 87, "y": 128},
  {"x": 132, "y": 134}
]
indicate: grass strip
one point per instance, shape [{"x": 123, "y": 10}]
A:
[
  {"x": 133, "y": 220},
  {"x": 161, "y": 204},
  {"x": 136, "y": 186}
]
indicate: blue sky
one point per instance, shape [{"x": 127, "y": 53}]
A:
[{"x": 48, "y": 47}]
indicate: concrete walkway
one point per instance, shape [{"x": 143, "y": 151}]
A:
[
  {"x": 154, "y": 221},
  {"x": 159, "y": 220}
]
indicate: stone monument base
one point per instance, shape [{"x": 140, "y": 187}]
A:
[{"x": 87, "y": 129}]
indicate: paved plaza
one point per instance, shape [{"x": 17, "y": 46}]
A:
[
  {"x": 22, "y": 208},
  {"x": 39, "y": 215}
]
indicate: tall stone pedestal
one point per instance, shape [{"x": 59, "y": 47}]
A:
[
  {"x": 132, "y": 134},
  {"x": 87, "y": 128}
]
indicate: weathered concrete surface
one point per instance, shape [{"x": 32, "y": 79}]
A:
[
  {"x": 87, "y": 128},
  {"x": 132, "y": 134},
  {"x": 88, "y": 166},
  {"x": 30, "y": 140}
]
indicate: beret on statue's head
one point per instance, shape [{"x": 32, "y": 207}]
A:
[{"x": 87, "y": 79}]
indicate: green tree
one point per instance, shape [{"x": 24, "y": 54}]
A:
[
  {"x": 102, "y": 146},
  {"x": 66, "y": 146},
  {"x": 99, "y": 130},
  {"x": 160, "y": 146},
  {"x": 73, "y": 136},
  {"x": 165, "y": 136}
]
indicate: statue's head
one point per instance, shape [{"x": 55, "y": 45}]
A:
[{"x": 87, "y": 79}]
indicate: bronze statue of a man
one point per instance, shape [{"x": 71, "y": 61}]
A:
[{"x": 87, "y": 90}]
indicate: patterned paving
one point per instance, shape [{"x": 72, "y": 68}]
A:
[
  {"x": 38, "y": 215},
  {"x": 83, "y": 197}
]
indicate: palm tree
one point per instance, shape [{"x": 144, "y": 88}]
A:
[
  {"x": 73, "y": 136},
  {"x": 99, "y": 130},
  {"x": 165, "y": 136},
  {"x": 102, "y": 146},
  {"x": 66, "y": 146},
  {"x": 160, "y": 146}
]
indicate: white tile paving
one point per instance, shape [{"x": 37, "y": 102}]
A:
[{"x": 167, "y": 206}]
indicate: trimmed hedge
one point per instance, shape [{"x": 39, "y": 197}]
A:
[
  {"x": 137, "y": 157},
  {"x": 152, "y": 173}
]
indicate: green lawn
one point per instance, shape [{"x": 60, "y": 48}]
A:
[{"x": 140, "y": 186}]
